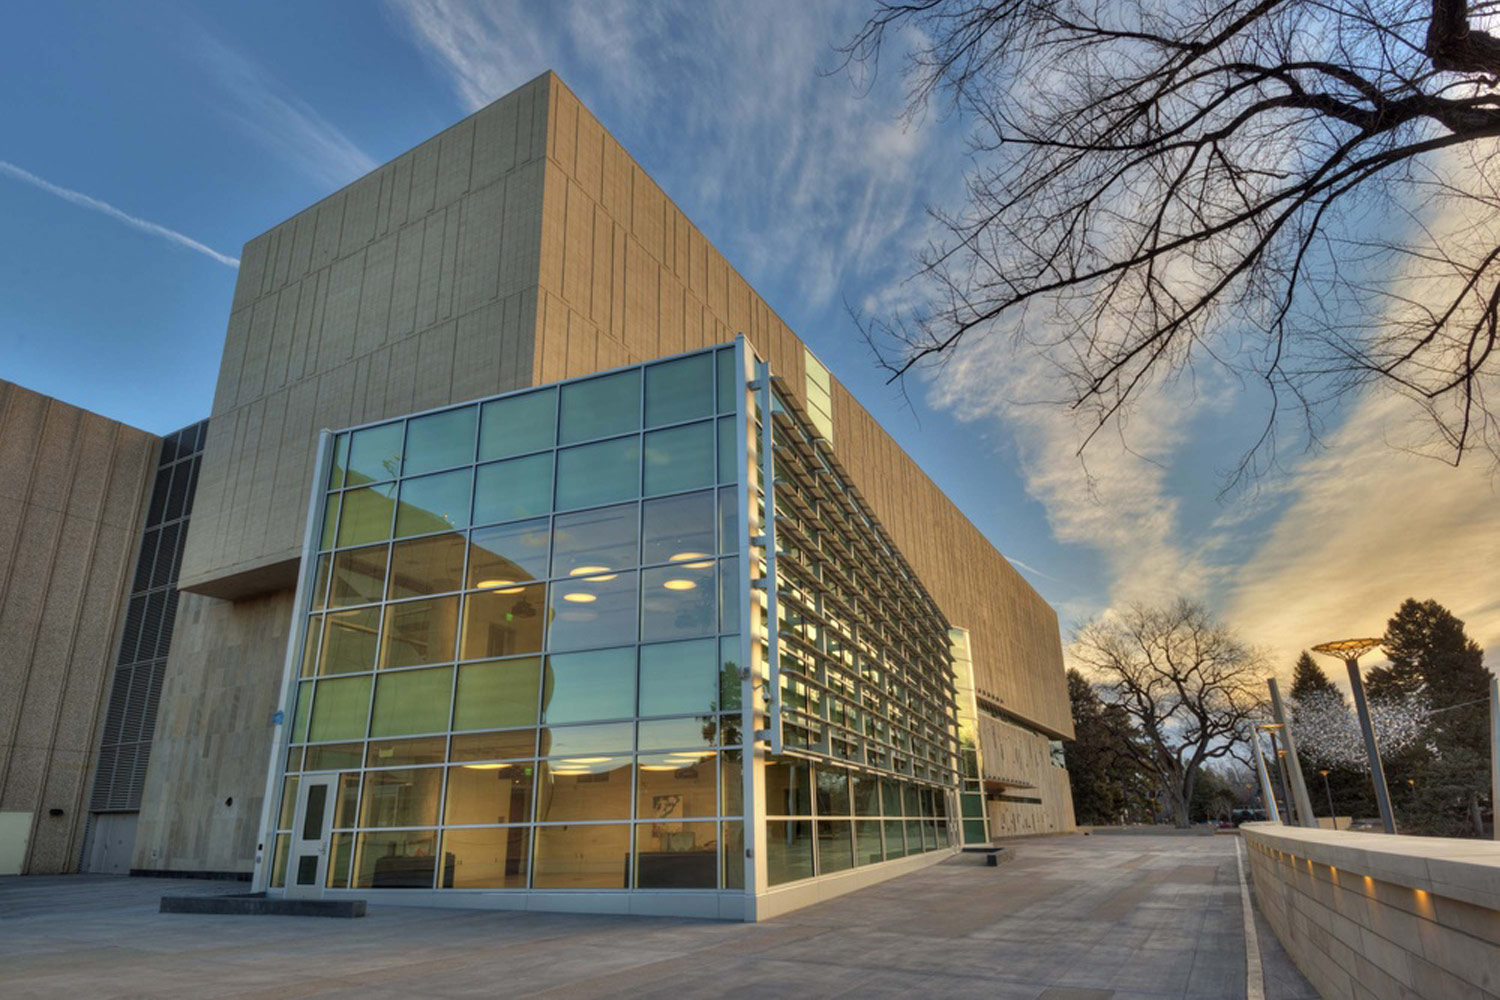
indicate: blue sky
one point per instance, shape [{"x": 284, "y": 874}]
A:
[{"x": 144, "y": 143}]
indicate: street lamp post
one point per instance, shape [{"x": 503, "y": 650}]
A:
[
  {"x": 1350, "y": 650},
  {"x": 1332, "y": 813},
  {"x": 1266, "y": 794},
  {"x": 1304, "y": 810}
]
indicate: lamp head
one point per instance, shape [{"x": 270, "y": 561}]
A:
[{"x": 1348, "y": 649}]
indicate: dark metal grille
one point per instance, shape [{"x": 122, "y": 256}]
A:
[{"x": 130, "y": 719}]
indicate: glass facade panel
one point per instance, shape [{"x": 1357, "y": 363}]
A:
[
  {"x": 581, "y": 856},
  {"x": 518, "y": 425},
  {"x": 412, "y": 701},
  {"x": 594, "y": 474},
  {"x": 679, "y": 458},
  {"x": 678, "y": 529},
  {"x": 732, "y": 841},
  {"x": 833, "y": 792},
  {"x": 349, "y": 641},
  {"x": 671, "y": 787},
  {"x": 584, "y": 788},
  {"x": 679, "y": 601},
  {"x": 506, "y": 621},
  {"x": 731, "y": 782},
  {"x": 598, "y": 407},
  {"x": 419, "y": 632},
  {"x": 497, "y": 694},
  {"x": 439, "y": 441},
  {"x": 867, "y": 849},
  {"x": 401, "y": 797},
  {"x": 395, "y": 859},
  {"x": 375, "y": 454},
  {"x": 582, "y": 687},
  {"x": 895, "y": 838},
  {"x": 398, "y": 753},
  {"x": 493, "y": 858},
  {"x": 341, "y": 709},
  {"x": 507, "y": 745},
  {"x": 488, "y": 794},
  {"x": 835, "y": 847},
  {"x": 366, "y": 515},
  {"x": 680, "y": 678},
  {"x": 509, "y": 554},
  {"x": 689, "y": 733},
  {"x": 789, "y": 850},
  {"x": 358, "y": 576},
  {"x": 432, "y": 565},
  {"x": 586, "y": 741},
  {"x": 679, "y": 390},
  {"x": 593, "y": 611},
  {"x": 674, "y": 855},
  {"x": 334, "y": 756},
  {"x": 507, "y": 491},
  {"x": 434, "y": 503},
  {"x": 595, "y": 541}
]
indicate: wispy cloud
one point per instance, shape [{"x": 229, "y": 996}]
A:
[
  {"x": 278, "y": 119},
  {"x": 105, "y": 208}
]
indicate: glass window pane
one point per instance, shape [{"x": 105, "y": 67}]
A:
[
  {"x": 432, "y": 565},
  {"x": 288, "y": 803},
  {"x": 399, "y": 859},
  {"x": 366, "y": 515},
  {"x": 678, "y": 529},
  {"x": 439, "y": 441},
  {"x": 679, "y": 390},
  {"x": 595, "y": 541},
  {"x": 497, "y": 694},
  {"x": 729, "y": 594},
  {"x": 729, "y": 456},
  {"x": 671, "y": 855},
  {"x": 732, "y": 840},
  {"x": 349, "y": 641},
  {"x": 595, "y": 474},
  {"x": 581, "y": 687},
  {"x": 581, "y": 857},
  {"x": 520, "y": 487},
  {"x": 320, "y": 583},
  {"x": 278, "y": 862},
  {"x": 340, "y": 860},
  {"x": 600, "y": 407},
  {"x": 679, "y": 678},
  {"x": 335, "y": 756},
  {"x": 914, "y": 843},
  {"x": 434, "y": 503},
  {"x": 692, "y": 732},
  {"x": 890, "y": 796},
  {"x": 680, "y": 458},
  {"x": 910, "y": 797},
  {"x": 788, "y": 850},
  {"x": 375, "y": 454},
  {"x": 395, "y": 753},
  {"x": 593, "y": 611},
  {"x": 586, "y": 741},
  {"x": 341, "y": 708},
  {"x": 508, "y": 554},
  {"x": 833, "y": 792},
  {"x": 787, "y": 788},
  {"x": 484, "y": 794},
  {"x": 518, "y": 425},
  {"x": 675, "y": 786},
  {"x": 584, "y": 788},
  {"x": 866, "y": 793},
  {"x": 731, "y": 686},
  {"x": 401, "y": 797},
  {"x": 418, "y": 632},
  {"x": 340, "y": 461},
  {"x": 509, "y": 745},
  {"x": 729, "y": 519},
  {"x": 728, "y": 396},
  {"x": 412, "y": 701},
  {"x": 679, "y": 601},
  {"x": 486, "y": 859},
  {"x": 330, "y": 519},
  {"x": 310, "y": 646},
  {"x": 503, "y": 622},
  {"x": 731, "y": 782},
  {"x": 895, "y": 839},
  {"x": 835, "y": 848}
]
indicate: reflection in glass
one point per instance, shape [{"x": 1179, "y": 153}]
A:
[
  {"x": 518, "y": 425},
  {"x": 833, "y": 792},
  {"x": 732, "y": 782},
  {"x": 729, "y": 388},
  {"x": 731, "y": 686},
  {"x": 340, "y": 860},
  {"x": 595, "y": 541},
  {"x": 508, "y": 554},
  {"x": 366, "y": 515},
  {"x": 679, "y": 458},
  {"x": 577, "y": 788},
  {"x": 890, "y": 796},
  {"x": 311, "y": 643},
  {"x": 866, "y": 795},
  {"x": 595, "y": 474},
  {"x": 693, "y": 732},
  {"x": 581, "y": 856},
  {"x": 593, "y": 611},
  {"x": 508, "y": 745},
  {"x": 358, "y": 576},
  {"x": 729, "y": 593},
  {"x": 432, "y": 565},
  {"x": 398, "y": 859},
  {"x": 732, "y": 839},
  {"x": 787, "y": 788},
  {"x": 374, "y": 454},
  {"x": 418, "y": 632},
  {"x": 497, "y": 693},
  {"x": 835, "y": 848},
  {"x": 341, "y": 709},
  {"x": 402, "y": 797},
  {"x": 599, "y": 407},
  {"x": 486, "y": 859},
  {"x": 503, "y": 622},
  {"x": 895, "y": 841},
  {"x": 412, "y": 701},
  {"x": 439, "y": 441},
  {"x": 678, "y": 678},
  {"x": 319, "y": 599},
  {"x": 675, "y": 855},
  {"x": 789, "y": 850},
  {"x": 728, "y": 451},
  {"x": 520, "y": 487},
  {"x": 340, "y": 461},
  {"x": 679, "y": 390},
  {"x": 335, "y": 756},
  {"x": 679, "y": 601},
  {"x": 673, "y": 786},
  {"x": 278, "y": 860},
  {"x": 580, "y": 687},
  {"x": 678, "y": 529},
  {"x": 486, "y": 794},
  {"x": 345, "y": 809},
  {"x": 434, "y": 503},
  {"x": 729, "y": 519},
  {"x": 587, "y": 741}
]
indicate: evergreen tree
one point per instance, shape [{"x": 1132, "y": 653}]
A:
[
  {"x": 1106, "y": 783},
  {"x": 1309, "y": 679},
  {"x": 1446, "y": 774}
]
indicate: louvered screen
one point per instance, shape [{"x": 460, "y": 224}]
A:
[{"x": 130, "y": 720}]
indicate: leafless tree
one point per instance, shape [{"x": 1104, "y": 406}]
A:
[
  {"x": 1192, "y": 689},
  {"x": 1303, "y": 191}
]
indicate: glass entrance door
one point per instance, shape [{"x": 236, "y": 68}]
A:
[{"x": 307, "y": 870}]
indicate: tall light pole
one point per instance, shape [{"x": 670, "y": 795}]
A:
[
  {"x": 1350, "y": 650},
  {"x": 1267, "y": 796},
  {"x": 1304, "y": 809},
  {"x": 1333, "y": 815}
]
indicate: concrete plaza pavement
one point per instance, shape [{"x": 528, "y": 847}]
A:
[{"x": 1139, "y": 917}]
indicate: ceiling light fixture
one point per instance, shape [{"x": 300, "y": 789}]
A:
[
  {"x": 580, "y": 598},
  {"x": 679, "y": 585}
]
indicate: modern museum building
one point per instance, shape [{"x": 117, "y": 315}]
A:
[{"x": 526, "y": 560}]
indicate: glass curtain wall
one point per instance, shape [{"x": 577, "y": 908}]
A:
[{"x": 521, "y": 646}]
